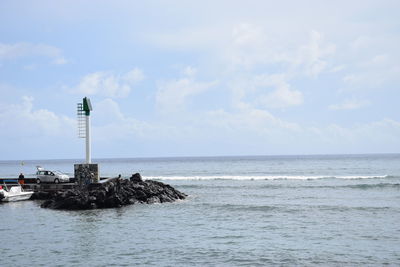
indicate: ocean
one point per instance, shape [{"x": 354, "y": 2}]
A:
[{"x": 330, "y": 210}]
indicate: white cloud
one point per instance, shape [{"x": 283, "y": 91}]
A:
[
  {"x": 268, "y": 134},
  {"x": 267, "y": 91},
  {"x": 249, "y": 46},
  {"x": 108, "y": 84},
  {"x": 299, "y": 50},
  {"x": 107, "y": 111},
  {"x": 248, "y": 130},
  {"x": 254, "y": 45},
  {"x": 172, "y": 95},
  {"x": 361, "y": 42},
  {"x": 282, "y": 96},
  {"x": 381, "y": 136},
  {"x": 312, "y": 56},
  {"x": 350, "y": 104},
  {"x": 22, "y": 50},
  {"x": 375, "y": 76},
  {"x": 111, "y": 125},
  {"x": 23, "y": 120},
  {"x": 189, "y": 71},
  {"x": 246, "y": 45},
  {"x": 379, "y": 60},
  {"x": 373, "y": 61},
  {"x": 249, "y": 120},
  {"x": 262, "y": 60},
  {"x": 60, "y": 61},
  {"x": 134, "y": 76},
  {"x": 201, "y": 38},
  {"x": 338, "y": 68}
]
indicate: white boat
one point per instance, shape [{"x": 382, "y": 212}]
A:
[{"x": 13, "y": 192}]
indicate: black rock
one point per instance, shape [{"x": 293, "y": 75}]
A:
[
  {"x": 136, "y": 177},
  {"x": 114, "y": 193},
  {"x": 42, "y": 195}
]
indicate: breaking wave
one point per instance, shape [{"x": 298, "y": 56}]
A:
[{"x": 267, "y": 177}]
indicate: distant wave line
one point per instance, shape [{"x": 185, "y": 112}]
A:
[
  {"x": 267, "y": 177},
  {"x": 301, "y": 186}
]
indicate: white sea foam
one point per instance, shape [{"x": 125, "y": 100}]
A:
[{"x": 264, "y": 177}]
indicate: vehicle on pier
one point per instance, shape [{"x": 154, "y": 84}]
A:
[{"x": 47, "y": 176}]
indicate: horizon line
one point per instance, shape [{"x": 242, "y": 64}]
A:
[{"x": 215, "y": 156}]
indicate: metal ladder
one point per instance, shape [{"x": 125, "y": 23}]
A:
[{"x": 81, "y": 121}]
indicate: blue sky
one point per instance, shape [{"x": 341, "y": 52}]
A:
[{"x": 199, "y": 78}]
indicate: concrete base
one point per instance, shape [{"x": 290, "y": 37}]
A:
[{"x": 86, "y": 173}]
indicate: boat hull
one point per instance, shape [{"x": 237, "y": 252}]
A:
[{"x": 19, "y": 197}]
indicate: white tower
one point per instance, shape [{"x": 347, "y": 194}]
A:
[{"x": 84, "y": 125}]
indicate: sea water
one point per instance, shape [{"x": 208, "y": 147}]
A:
[{"x": 241, "y": 211}]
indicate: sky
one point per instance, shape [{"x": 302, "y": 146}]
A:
[{"x": 199, "y": 78}]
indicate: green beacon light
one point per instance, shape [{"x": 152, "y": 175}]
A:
[{"x": 87, "y": 106}]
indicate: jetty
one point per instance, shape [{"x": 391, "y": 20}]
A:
[
  {"x": 108, "y": 193},
  {"x": 30, "y": 184},
  {"x": 87, "y": 190}
]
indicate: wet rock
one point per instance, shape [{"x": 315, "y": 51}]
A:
[
  {"x": 42, "y": 195},
  {"x": 114, "y": 193},
  {"x": 153, "y": 200}
]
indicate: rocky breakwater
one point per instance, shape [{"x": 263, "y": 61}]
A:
[{"x": 113, "y": 193}]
